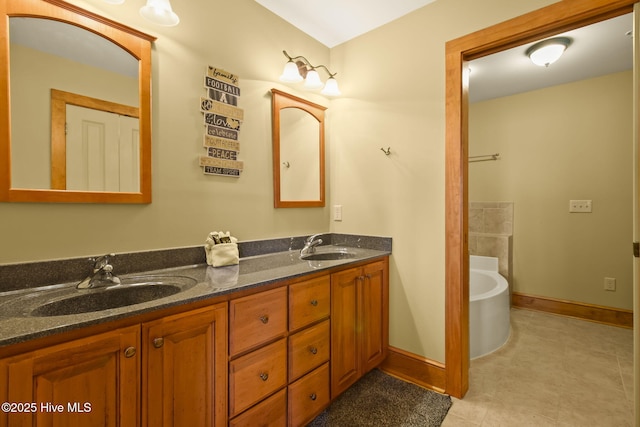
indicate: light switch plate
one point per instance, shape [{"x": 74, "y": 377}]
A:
[{"x": 337, "y": 212}]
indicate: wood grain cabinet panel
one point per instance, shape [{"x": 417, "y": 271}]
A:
[
  {"x": 185, "y": 369},
  {"x": 309, "y": 396},
  {"x": 256, "y": 375},
  {"x": 308, "y": 349},
  {"x": 91, "y": 381},
  {"x": 359, "y": 323},
  {"x": 257, "y": 319},
  {"x": 272, "y": 412},
  {"x": 309, "y": 301}
]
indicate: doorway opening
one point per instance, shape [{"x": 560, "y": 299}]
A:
[{"x": 545, "y": 22}]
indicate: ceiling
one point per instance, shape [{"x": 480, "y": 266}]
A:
[
  {"x": 333, "y": 22},
  {"x": 595, "y": 50}
]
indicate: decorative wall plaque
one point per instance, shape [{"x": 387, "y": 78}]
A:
[{"x": 222, "y": 122}]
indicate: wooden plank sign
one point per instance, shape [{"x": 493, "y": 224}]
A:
[
  {"x": 220, "y": 74},
  {"x": 210, "y": 106},
  {"x": 222, "y": 121},
  {"x": 221, "y": 163},
  {"x": 224, "y": 144}
]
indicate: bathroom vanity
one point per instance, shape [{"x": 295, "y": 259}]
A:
[{"x": 271, "y": 341}]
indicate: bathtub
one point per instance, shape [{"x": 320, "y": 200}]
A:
[{"x": 489, "y": 306}]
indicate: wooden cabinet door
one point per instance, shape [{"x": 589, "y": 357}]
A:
[
  {"x": 184, "y": 372},
  {"x": 345, "y": 366},
  {"x": 374, "y": 315},
  {"x": 91, "y": 381}
]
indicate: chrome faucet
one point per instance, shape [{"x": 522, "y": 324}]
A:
[
  {"x": 101, "y": 276},
  {"x": 310, "y": 244}
]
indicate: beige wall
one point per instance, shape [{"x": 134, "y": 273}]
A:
[
  {"x": 393, "y": 96},
  {"x": 239, "y": 36},
  {"x": 393, "y": 84},
  {"x": 572, "y": 141}
]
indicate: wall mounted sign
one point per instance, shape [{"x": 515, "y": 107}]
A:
[{"x": 222, "y": 121}]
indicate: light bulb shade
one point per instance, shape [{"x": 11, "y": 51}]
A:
[
  {"x": 548, "y": 51},
  {"x": 313, "y": 80},
  {"x": 114, "y": 1},
  {"x": 290, "y": 74},
  {"x": 159, "y": 12},
  {"x": 331, "y": 88}
]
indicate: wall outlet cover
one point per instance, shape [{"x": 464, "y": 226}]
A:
[{"x": 580, "y": 206}]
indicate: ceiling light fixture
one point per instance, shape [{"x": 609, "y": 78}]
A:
[
  {"x": 157, "y": 11},
  {"x": 548, "y": 51},
  {"x": 299, "y": 68}
]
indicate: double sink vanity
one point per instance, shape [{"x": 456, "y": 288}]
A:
[{"x": 271, "y": 341}]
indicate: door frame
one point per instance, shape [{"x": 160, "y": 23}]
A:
[{"x": 554, "y": 19}]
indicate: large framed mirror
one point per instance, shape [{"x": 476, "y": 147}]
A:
[
  {"x": 75, "y": 106},
  {"x": 298, "y": 151}
]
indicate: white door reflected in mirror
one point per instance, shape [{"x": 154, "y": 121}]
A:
[{"x": 102, "y": 151}]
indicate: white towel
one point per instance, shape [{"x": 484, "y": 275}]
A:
[{"x": 221, "y": 254}]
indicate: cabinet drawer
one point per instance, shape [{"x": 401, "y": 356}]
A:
[
  {"x": 272, "y": 412},
  {"x": 309, "y": 301},
  {"x": 256, "y": 375},
  {"x": 257, "y": 319},
  {"x": 309, "y": 396},
  {"x": 308, "y": 349}
]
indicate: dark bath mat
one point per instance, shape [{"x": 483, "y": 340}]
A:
[{"x": 379, "y": 400}]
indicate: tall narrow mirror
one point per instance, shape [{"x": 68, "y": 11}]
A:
[
  {"x": 76, "y": 107},
  {"x": 298, "y": 151}
]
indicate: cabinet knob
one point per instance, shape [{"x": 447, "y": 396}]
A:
[
  {"x": 313, "y": 396},
  {"x": 314, "y": 302},
  {"x": 158, "y": 342},
  {"x": 129, "y": 352},
  {"x": 264, "y": 376},
  {"x": 313, "y": 350},
  {"x": 264, "y": 319}
]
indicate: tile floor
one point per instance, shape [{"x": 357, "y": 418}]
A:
[{"x": 553, "y": 371}]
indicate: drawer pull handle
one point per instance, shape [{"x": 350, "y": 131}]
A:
[
  {"x": 129, "y": 352},
  {"x": 158, "y": 342},
  {"x": 314, "y": 302},
  {"x": 313, "y": 350},
  {"x": 264, "y": 376},
  {"x": 313, "y": 396},
  {"x": 264, "y": 319}
]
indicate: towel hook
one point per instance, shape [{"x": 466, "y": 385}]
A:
[
  {"x": 286, "y": 164},
  {"x": 387, "y": 151}
]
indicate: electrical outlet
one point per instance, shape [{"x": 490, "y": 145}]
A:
[
  {"x": 583, "y": 206},
  {"x": 337, "y": 212},
  {"x": 609, "y": 284}
]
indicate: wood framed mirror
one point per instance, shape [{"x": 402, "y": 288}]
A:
[
  {"x": 59, "y": 63},
  {"x": 298, "y": 151}
]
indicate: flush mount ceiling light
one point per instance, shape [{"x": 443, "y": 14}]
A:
[
  {"x": 157, "y": 11},
  {"x": 548, "y": 51},
  {"x": 299, "y": 68}
]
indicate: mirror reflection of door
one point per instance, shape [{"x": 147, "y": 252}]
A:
[
  {"x": 299, "y": 155},
  {"x": 102, "y": 150},
  {"x": 83, "y": 66}
]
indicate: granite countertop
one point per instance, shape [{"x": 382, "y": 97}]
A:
[{"x": 17, "y": 324}]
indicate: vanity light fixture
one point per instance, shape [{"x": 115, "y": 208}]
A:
[
  {"x": 157, "y": 11},
  {"x": 548, "y": 51},
  {"x": 299, "y": 68}
]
